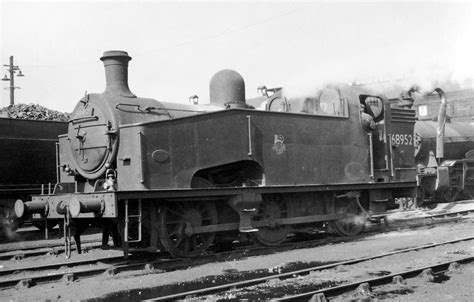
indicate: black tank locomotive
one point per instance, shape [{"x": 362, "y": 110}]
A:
[{"x": 182, "y": 177}]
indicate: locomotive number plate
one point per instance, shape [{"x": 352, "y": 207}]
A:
[{"x": 401, "y": 139}]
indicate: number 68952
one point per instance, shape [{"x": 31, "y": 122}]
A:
[{"x": 401, "y": 139}]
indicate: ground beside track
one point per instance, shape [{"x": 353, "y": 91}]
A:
[
  {"x": 344, "y": 274},
  {"x": 458, "y": 288},
  {"x": 372, "y": 244}
]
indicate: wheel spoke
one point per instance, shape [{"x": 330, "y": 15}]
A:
[
  {"x": 174, "y": 232},
  {"x": 193, "y": 241},
  {"x": 176, "y": 213},
  {"x": 178, "y": 222},
  {"x": 181, "y": 207},
  {"x": 186, "y": 245},
  {"x": 201, "y": 207},
  {"x": 178, "y": 240}
]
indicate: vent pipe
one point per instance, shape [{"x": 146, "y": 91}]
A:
[
  {"x": 116, "y": 73},
  {"x": 441, "y": 124}
]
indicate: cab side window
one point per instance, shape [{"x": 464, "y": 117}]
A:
[
  {"x": 371, "y": 111},
  {"x": 327, "y": 102},
  {"x": 374, "y": 106},
  {"x": 278, "y": 104}
]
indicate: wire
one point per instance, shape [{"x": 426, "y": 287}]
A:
[
  {"x": 182, "y": 43},
  {"x": 222, "y": 33}
]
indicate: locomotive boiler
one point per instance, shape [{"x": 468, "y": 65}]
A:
[{"x": 181, "y": 177}]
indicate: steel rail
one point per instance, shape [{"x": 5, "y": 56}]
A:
[
  {"x": 163, "y": 264},
  {"x": 220, "y": 288},
  {"x": 53, "y": 266},
  {"x": 70, "y": 276},
  {"x": 378, "y": 281},
  {"x": 19, "y": 254},
  {"x": 48, "y": 245}
]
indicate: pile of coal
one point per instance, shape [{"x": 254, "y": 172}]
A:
[{"x": 33, "y": 112}]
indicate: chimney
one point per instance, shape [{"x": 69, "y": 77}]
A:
[{"x": 116, "y": 73}]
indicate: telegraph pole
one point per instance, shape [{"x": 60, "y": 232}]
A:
[{"x": 12, "y": 70}]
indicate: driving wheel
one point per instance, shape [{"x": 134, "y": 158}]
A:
[
  {"x": 353, "y": 223},
  {"x": 272, "y": 233},
  {"x": 177, "y": 222}
]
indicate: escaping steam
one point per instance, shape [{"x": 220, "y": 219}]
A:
[
  {"x": 454, "y": 70},
  {"x": 464, "y": 48},
  {"x": 309, "y": 82},
  {"x": 425, "y": 78}
]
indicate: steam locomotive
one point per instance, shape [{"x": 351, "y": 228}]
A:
[{"x": 182, "y": 177}]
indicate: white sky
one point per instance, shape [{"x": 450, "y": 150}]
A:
[{"x": 178, "y": 46}]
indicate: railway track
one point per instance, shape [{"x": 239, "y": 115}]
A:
[
  {"x": 57, "y": 248},
  {"x": 113, "y": 265},
  {"x": 306, "y": 271},
  {"x": 71, "y": 270},
  {"x": 368, "y": 284},
  {"x": 19, "y": 274},
  {"x": 110, "y": 269},
  {"x": 51, "y": 249}
]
